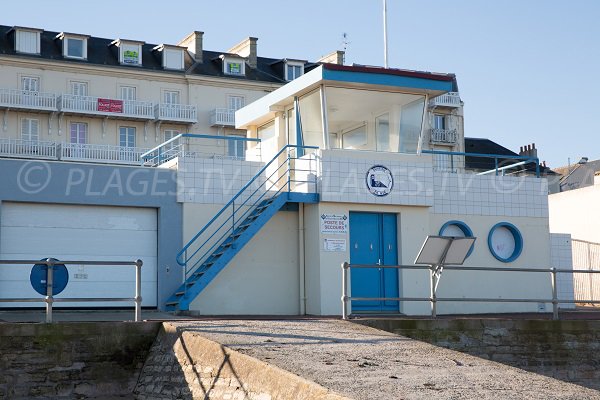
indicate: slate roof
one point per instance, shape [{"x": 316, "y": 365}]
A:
[{"x": 581, "y": 175}]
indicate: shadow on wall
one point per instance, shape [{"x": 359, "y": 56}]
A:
[{"x": 564, "y": 350}]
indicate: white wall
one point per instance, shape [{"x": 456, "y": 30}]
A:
[
  {"x": 576, "y": 212},
  {"x": 561, "y": 257}
]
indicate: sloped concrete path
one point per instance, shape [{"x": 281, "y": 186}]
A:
[{"x": 367, "y": 364}]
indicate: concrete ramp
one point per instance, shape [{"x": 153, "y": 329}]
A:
[{"x": 280, "y": 359}]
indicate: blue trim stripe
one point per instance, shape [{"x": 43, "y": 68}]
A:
[
  {"x": 387, "y": 80},
  {"x": 516, "y": 235},
  {"x": 463, "y": 227}
]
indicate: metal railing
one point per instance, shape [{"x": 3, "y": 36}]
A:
[
  {"x": 89, "y": 105},
  {"x": 586, "y": 255},
  {"x": 500, "y": 164},
  {"x": 27, "y": 99},
  {"x": 28, "y": 148},
  {"x": 450, "y": 99},
  {"x": 222, "y": 117},
  {"x": 439, "y": 135},
  {"x": 277, "y": 176},
  {"x": 435, "y": 275},
  {"x": 176, "y": 112},
  {"x": 49, "y": 299},
  {"x": 103, "y": 153},
  {"x": 203, "y": 146}
]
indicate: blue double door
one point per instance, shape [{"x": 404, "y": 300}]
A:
[{"x": 374, "y": 241}]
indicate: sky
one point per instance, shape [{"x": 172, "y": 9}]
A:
[{"x": 526, "y": 69}]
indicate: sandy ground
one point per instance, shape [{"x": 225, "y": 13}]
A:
[{"x": 368, "y": 364}]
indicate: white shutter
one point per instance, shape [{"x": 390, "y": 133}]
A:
[
  {"x": 236, "y": 102},
  {"x": 30, "y": 129},
  {"x": 30, "y": 84},
  {"x": 79, "y": 88},
  {"x": 171, "y": 97},
  {"x": 27, "y": 42},
  {"x": 128, "y": 93}
]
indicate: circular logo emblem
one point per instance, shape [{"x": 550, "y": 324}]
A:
[{"x": 379, "y": 180}]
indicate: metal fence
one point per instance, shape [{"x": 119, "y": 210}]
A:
[
  {"x": 586, "y": 256},
  {"x": 435, "y": 273},
  {"x": 49, "y": 299}
]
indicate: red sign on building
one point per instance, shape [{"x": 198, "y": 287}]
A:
[{"x": 109, "y": 105}]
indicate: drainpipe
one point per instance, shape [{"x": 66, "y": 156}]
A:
[{"x": 301, "y": 260}]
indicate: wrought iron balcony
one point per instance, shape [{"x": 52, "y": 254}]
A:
[
  {"x": 176, "y": 113},
  {"x": 222, "y": 117},
  {"x": 450, "y": 99},
  {"x": 446, "y": 136},
  {"x": 27, "y": 100}
]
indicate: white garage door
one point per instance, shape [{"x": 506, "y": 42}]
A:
[{"x": 66, "y": 232}]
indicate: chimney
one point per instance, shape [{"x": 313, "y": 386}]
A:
[
  {"x": 528, "y": 150},
  {"x": 193, "y": 42},
  {"x": 247, "y": 49},
  {"x": 336, "y": 57}
]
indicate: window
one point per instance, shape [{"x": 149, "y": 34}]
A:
[
  {"x": 266, "y": 134},
  {"x": 30, "y": 129},
  {"x": 27, "y": 41},
  {"x": 170, "y": 134},
  {"x": 75, "y": 48},
  {"x": 234, "y": 103},
  {"x": 293, "y": 70},
  {"x": 171, "y": 97},
  {"x": 30, "y": 84},
  {"x": 127, "y": 136},
  {"x": 236, "y": 148},
  {"x": 234, "y": 67},
  {"x": 382, "y": 132},
  {"x": 355, "y": 138},
  {"x": 78, "y": 133},
  {"x": 439, "y": 121},
  {"x": 79, "y": 88},
  {"x": 128, "y": 93},
  {"x": 130, "y": 53},
  {"x": 173, "y": 58}
]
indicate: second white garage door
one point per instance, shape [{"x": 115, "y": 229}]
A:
[{"x": 67, "y": 232}]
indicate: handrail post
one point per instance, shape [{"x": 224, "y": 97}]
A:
[
  {"x": 433, "y": 282},
  {"x": 232, "y": 223},
  {"x": 289, "y": 170},
  {"x": 345, "y": 268},
  {"x": 49, "y": 288},
  {"x": 554, "y": 295},
  {"x": 138, "y": 290}
]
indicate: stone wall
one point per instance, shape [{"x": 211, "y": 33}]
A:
[
  {"x": 566, "y": 350},
  {"x": 72, "y": 360}
]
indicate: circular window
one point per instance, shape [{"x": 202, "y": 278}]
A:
[
  {"x": 505, "y": 242},
  {"x": 457, "y": 229}
]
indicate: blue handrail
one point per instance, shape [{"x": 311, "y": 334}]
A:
[
  {"x": 496, "y": 157},
  {"x": 232, "y": 202}
]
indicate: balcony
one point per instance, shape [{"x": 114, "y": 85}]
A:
[
  {"x": 17, "y": 148},
  {"x": 444, "y": 136},
  {"x": 97, "y": 106},
  {"x": 176, "y": 113},
  {"x": 222, "y": 117},
  {"x": 450, "y": 99},
  {"x": 26, "y": 100}
]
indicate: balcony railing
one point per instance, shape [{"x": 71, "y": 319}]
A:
[
  {"x": 448, "y": 136},
  {"x": 450, "y": 99},
  {"x": 222, "y": 117},
  {"x": 27, "y": 148},
  {"x": 23, "y": 99},
  {"x": 102, "y": 153},
  {"x": 176, "y": 112},
  {"x": 106, "y": 107}
]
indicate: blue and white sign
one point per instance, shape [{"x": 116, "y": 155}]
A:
[
  {"x": 379, "y": 180},
  {"x": 39, "y": 278}
]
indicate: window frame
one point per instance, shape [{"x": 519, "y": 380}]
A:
[
  {"x": 79, "y": 124},
  {"x": 125, "y": 129},
  {"x": 293, "y": 64},
  {"x": 73, "y": 84},
  {"x": 18, "y": 40},
  {"x": 122, "y": 44},
  {"x": 37, "y": 133},
  {"x": 228, "y": 60},
  {"x": 134, "y": 90},
  {"x": 230, "y": 97},
  {"x": 168, "y": 92},
  {"x": 37, "y": 79}
]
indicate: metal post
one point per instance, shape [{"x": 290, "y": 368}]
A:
[
  {"x": 49, "y": 288},
  {"x": 138, "y": 290},
  {"x": 289, "y": 170},
  {"x": 496, "y": 165},
  {"x": 433, "y": 282},
  {"x": 345, "y": 268},
  {"x": 554, "y": 295}
]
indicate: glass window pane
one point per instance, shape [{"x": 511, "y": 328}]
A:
[
  {"x": 355, "y": 138},
  {"x": 310, "y": 117},
  {"x": 291, "y": 126},
  {"x": 266, "y": 134},
  {"x": 382, "y": 132},
  {"x": 410, "y": 126},
  {"x": 74, "y": 47}
]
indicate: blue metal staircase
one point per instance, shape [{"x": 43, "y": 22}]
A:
[{"x": 287, "y": 178}]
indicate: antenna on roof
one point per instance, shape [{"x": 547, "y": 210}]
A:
[
  {"x": 345, "y": 41},
  {"x": 385, "y": 35}
]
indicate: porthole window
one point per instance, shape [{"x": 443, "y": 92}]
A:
[
  {"x": 457, "y": 229},
  {"x": 505, "y": 242}
]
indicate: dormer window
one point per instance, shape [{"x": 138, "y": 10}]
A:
[
  {"x": 27, "y": 40},
  {"x": 130, "y": 51},
  {"x": 293, "y": 69},
  {"x": 234, "y": 65},
  {"x": 172, "y": 56},
  {"x": 74, "y": 46}
]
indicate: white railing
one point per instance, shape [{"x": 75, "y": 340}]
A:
[
  {"x": 176, "y": 112},
  {"x": 89, "y": 105},
  {"x": 450, "y": 99},
  {"x": 222, "y": 116},
  {"x": 586, "y": 255},
  {"x": 439, "y": 135},
  {"x": 27, "y": 148},
  {"x": 103, "y": 153},
  {"x": 27, "y": 100}
]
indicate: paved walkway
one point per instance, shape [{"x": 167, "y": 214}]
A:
[{"x": 368, "y": 364}]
